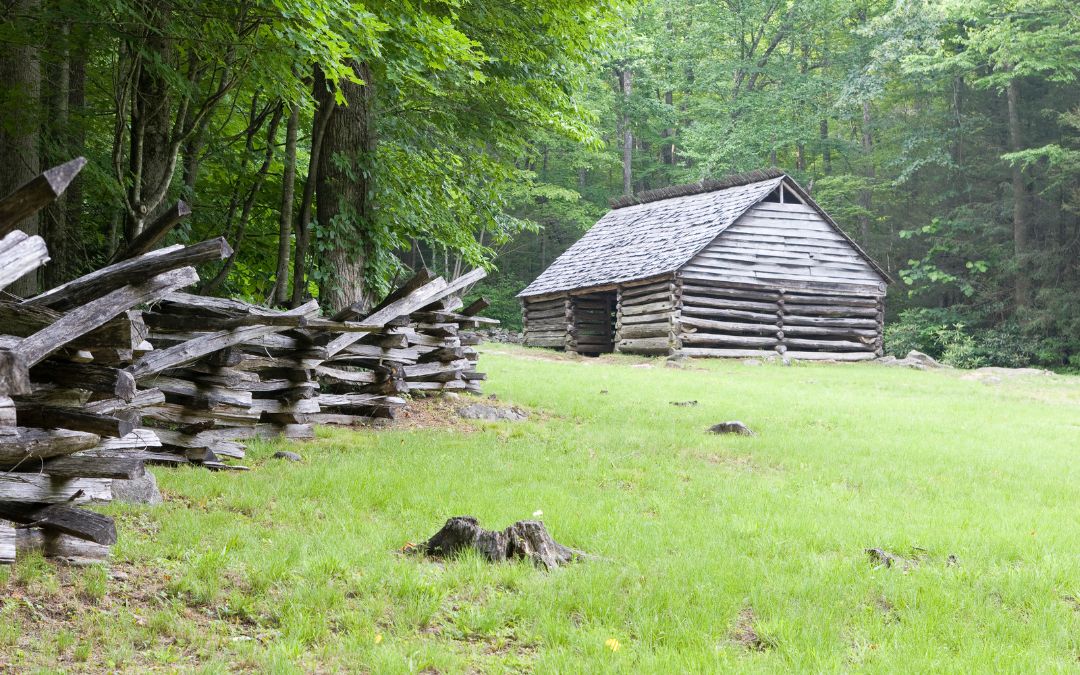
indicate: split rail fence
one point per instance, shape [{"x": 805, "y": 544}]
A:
[{"x": 121, "y": 368}]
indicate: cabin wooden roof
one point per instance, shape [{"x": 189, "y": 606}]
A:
[{"x": 657, "y": 232}]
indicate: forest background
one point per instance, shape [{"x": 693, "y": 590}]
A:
[{"x": 338, "y": 144}]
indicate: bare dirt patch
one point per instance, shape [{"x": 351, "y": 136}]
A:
[{"x": 745, "y": 634}]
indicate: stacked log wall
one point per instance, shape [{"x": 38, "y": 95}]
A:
[
  {"x": 812, "y": 323},
  {"x": 646, "y": 317},
  {"x": 547, "y": 321}
]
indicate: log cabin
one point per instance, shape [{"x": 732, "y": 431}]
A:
[{"x": 745, "y": 266}]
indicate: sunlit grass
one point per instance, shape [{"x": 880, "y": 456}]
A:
[{"x": 293, "y": 567}]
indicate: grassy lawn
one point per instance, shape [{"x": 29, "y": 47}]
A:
[{"x": 716, "y": 553}]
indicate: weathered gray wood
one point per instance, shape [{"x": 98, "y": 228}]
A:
[
  {"x": 831, "y": 356},
  {"x": 59, "y": 546},
  {"x": 544, "y": 341},
  {"x": 190, "y": 351},
  {"x": 828, "y": 321},
  {"x": 756, "y": 317},
  {"x": 140, "y": 438},
  {"x": 75, "y": 419},
  {"x": 28, "y": 443},
  {"x": 103, "y": 379},
  {"x": 95, "y": 313},
  {"x": 142, "y": 398},
  {"x": 645, "y": 345},
  {"x": 14, "y": 375},
  {"x": 829, "y": 345},
  {"x": 690, "y": 324},
  {"x": 660, "y": 317},
  {"x": 841, "y": 332},
  {"x": 155, "y": 231},
  {"x": 727, "y": 340},
  {"x": 7, "y": 543},
  {"x": 77, "y": 523},
  {"x": 724, "y": 303},
  {"x": 798, "y": 300},
  {"x": 41, "y": 489},
  {"x": 37, "y": 193},
  {"x": 20, "y": 254},
  {"x": 137, "y": 270},
  {"x": 476, "y": 306},
  {"x": 714, "y": 352},
  {"x": 91, "y": 466},
  {"x": 422, "y": 296},
  {"x": 741, "y": 294}
]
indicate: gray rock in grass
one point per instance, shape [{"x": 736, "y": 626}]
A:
[
  {"x": 480, "y": 411},
  {"x": 291, "y": 456},
  {"x": 141, "y": 490}
]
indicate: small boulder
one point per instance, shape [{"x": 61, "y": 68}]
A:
[
  {"x": 922, "y": 359},
  {"x": 479, "y": 411},
  {"x": 141, "y": 490},
  {"x": 285, "y": 454},
  {"x": 914, "y": 359},
  {"x": 733, "y": 427}
]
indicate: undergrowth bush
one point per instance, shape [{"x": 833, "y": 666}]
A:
[{"x": 955, "y": 339}]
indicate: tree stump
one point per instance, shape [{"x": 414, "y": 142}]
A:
[{"x": 525, "y": 539}]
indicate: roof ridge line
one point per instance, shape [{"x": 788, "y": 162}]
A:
[{"x": 700, "y": 187}]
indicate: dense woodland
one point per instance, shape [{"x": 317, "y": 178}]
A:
[{"x": 338, "y": 144}]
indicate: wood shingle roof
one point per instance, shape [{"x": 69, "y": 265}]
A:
[{"x": 649, "y": 239}]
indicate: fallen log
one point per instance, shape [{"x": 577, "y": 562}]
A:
[{"x": 524, "y": 540}]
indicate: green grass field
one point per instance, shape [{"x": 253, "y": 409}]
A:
[{"x": 716, "y": 553}]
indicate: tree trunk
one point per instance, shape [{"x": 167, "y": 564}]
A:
[
  {"x": 866, "y": 196},
  {"x": 20, "y": 79},
  {"x": 280, "y": 295},
  {"x": 324, "y": 111},
  {"x": 249, "y": 198},
  {"x": 826, "y": 152},
  {"x": 625, "y": 86},
  {"x": 55, "y": 102},
  {"x": 343, "y": 184},
  {"x": 667, "y": 149},
  {"x": 77, "y": 133},
  {"x": 151, "y": 159},
  {"x": 1021, "y": 224}
]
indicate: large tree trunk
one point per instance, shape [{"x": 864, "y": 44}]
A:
[
  {"x": 55, "y": 102},
  {"x": 20, "y": 80},
  {"x": 625, "y": 86},
  {"x": 342, "y": 206},
  {"x": 280, "y": 294},
  {"x": 151, "y": 158},
  {"x": 1021, "y": 224}
]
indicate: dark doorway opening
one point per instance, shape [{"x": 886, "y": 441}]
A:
[{"x": 592, "y": 329}]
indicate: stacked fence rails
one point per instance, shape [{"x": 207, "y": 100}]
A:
[{"x": 123, "y": 367}]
